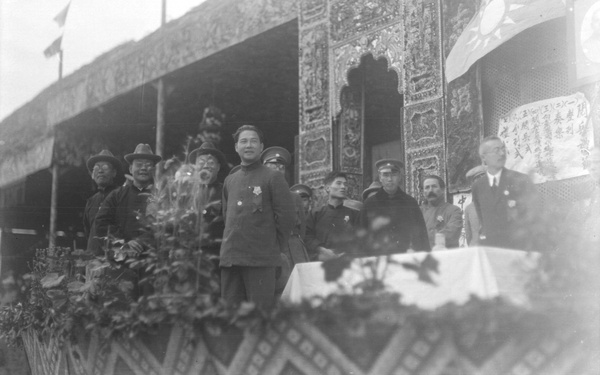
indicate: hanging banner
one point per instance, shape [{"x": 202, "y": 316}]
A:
[{"x": 549, "y": 139}]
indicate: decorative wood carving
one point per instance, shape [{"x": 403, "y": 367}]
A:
[
  {"x": 420, "y": 163},
  {"x": 464, "y": 128},
  {"x": 383, "y": 43},
  {"x": 456, "y": 16},
  {"x": 423, "y": 64},
  {"x": 312, "y": 11},
  {"x": 423, "y": 125},
  {"x": 350, "y": 18},
  {"x": 351, "y": 132},
  {"x": 314, "y": 78},
  {"x": 315, "y": 155}
]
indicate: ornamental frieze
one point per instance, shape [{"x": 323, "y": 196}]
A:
[
  {"x": 349, "y": 18},
  {"x": 386, "y": 43},
  {"x": 423, "y": 124},
  {"x": 314, "y": 76},
  {"x": 421, "y": 163},
  {"x": 312, "y": 11},
  {"x": 464, "y": 126},
  {"x": 315, "y": 153},
  {"x": 423, "y": 64},
  {"x": 350, "y": 122}
]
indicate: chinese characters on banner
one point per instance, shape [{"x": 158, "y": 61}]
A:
[{"x": 548, "y": 139}]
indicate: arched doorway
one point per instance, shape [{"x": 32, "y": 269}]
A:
[{"x": 368, "y": 126}]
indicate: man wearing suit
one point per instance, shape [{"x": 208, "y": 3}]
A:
[{"x": 506, "y": 201}]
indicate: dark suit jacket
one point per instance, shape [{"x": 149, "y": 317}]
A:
[{"x": 506, "y": 214}]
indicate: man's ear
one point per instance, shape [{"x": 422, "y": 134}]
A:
[{"x": 130, "y": 169}]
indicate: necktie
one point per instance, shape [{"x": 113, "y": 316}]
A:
[{"x": 494, "y": 185}]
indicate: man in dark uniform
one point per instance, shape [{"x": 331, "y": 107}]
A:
[
  {"x": 305, "y": 193},
  {"x": 293, "y": 252},
  {"x": 331, "y": 223},
  {"x": 118, "y": 214},
  {"x": 207, "y": 162},
  {"x": 259, "y": 216},
  {"x": 393, "y": 217},
  {"x": 105, "y": 169}
]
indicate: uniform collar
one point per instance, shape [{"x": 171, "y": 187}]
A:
[{"x": 252, "y": 166}]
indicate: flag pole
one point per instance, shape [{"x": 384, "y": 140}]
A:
[{"x": 161, "y": 97}]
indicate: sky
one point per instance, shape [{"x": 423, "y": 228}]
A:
[{"x": 92, "y": 27}]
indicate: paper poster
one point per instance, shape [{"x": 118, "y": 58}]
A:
[{"x": 549, "y": 139}]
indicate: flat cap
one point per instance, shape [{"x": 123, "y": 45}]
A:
[
  {"x": 302, "y": 190},
  {"x": 387, "y": 165},
  {"x": 276, "y": 154}
]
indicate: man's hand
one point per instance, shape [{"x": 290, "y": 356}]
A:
[{"x": 326, "y": 254}]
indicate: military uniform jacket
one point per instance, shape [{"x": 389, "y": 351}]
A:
[
  {"x": 406, "y": 227},
  {"x": 259, "y": 215},
  {"x": 92, "y": 205},
  {"x": 118, "y": 214}
]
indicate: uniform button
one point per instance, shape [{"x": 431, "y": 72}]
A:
[{"x": 239, "y": 203}]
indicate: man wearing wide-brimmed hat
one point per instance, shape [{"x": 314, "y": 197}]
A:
[
  {"x": 118, "y": 214},
  {"x": 207, "y": 162},
  {"x": 105, "y": 169},
  {"x": 393, "y": 216}
]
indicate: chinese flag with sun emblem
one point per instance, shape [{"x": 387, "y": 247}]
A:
[{"x": 496, "y": 22}]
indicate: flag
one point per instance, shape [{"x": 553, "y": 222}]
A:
[
  {"x": 496, "y": 22},
  {"x": 54, "y": 48},
  {"x": 61, "y": 17}
]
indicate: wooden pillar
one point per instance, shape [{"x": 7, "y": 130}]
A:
[
  {"x": 160, "y": 118},
  {"x": 53, "y": 206}
]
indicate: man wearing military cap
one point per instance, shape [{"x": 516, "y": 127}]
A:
[
  {"x": 472, "y": 224},
  {"x": 104, "y": 169},
  {"x": 118, "y": 213},
  {"x": 305, "y": 193},
  {"x": 278, "y": 159},
  {"x": 404, "y": 226},
  {"x": 208, "y": 162}
]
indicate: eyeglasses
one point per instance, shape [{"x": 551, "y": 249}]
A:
[
  {"x": 103, "y": 167},
  {"x": 206, "y": 163}
]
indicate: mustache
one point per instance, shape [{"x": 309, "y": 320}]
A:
[{"x": 432, "y": 195}]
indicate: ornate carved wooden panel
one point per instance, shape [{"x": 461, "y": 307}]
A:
[
  {"x": 351, "y": 131},
  {"x": 423, "y": 124},
  {"x": 464, "y": 128},
  {"x": 350, "y": 18},
  {"x": 314, "y": 78},
  {"x": 386, "y": 43},
  {"x": 312, "y": 11},
  {"x": 422, "y": 162},
  {"x": 315, "y": 155},
  {"x": 423, "y": 65}
]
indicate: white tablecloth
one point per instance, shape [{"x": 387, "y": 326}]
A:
[{"x": 481, "y": 271}]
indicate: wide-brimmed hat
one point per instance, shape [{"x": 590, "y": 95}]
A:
[
  {"x": 375, "y": 185},
  {"x": 143, "y": 151},
  {"x": 107, "y": 156},
  {"x": 389, "y": 165},
  {"x": 276, "y": 154},
  {"x": 207, "y": 148},
  {"x": 302, "y": 190}
]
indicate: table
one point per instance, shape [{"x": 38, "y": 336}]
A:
[{"x": 485, "y": 272}]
